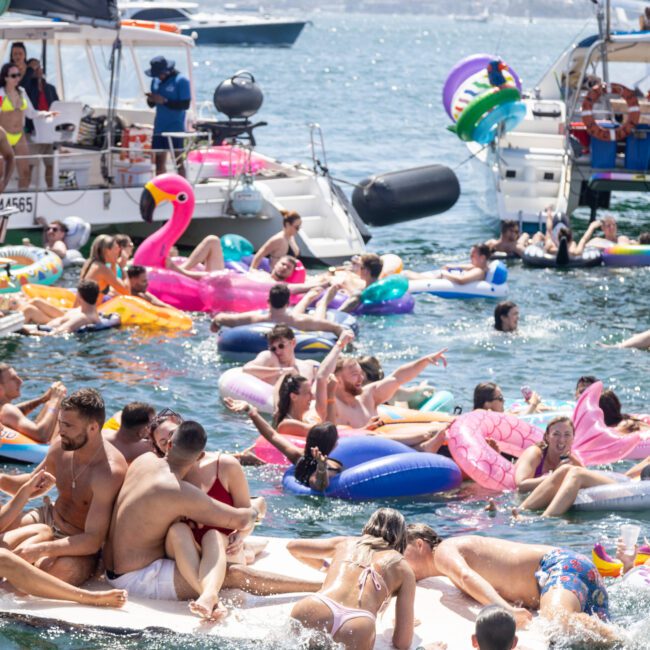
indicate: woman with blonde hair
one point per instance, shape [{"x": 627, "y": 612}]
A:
[
  {"x": 364, "y": 573},
  {"x": 102, "y": 267}
]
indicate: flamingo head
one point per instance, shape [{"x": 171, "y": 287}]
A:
[{"x": 166, "y": 187}]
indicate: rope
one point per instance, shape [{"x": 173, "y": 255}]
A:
[{"x": 460, "y": 164}]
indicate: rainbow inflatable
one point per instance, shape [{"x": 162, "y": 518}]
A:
[
  {"x": 482, "y": 96},
  {"x": 627, "y": 255}
]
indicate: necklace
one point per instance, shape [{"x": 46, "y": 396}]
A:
[{"x": 84, "y": 468}]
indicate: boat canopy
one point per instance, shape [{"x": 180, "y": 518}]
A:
[
  {"x": 94, "y": 12},
  {"x": 79, "y": 58}
]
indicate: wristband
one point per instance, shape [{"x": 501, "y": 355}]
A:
[{"x": 331, "y": 401}]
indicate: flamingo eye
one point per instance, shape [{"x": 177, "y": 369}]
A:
[{"x": 181, "y": 197}]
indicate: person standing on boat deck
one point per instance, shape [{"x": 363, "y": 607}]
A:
[
  {"x": 14, "y": 416},
  {"x": 281, "y": 244},
  {"x": 89, "y": 472},
  {"x": 15, "y": 106},
  {"x": 18, "y": 56},
  {"x": 8, "y": 159},
  {"x": 171, "y": 96},
  {"x": 41, "y": 94}
]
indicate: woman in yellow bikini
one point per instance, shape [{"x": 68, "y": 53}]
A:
[{"x": 14, "y": 108}]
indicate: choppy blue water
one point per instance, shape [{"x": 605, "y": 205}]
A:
[{"x": 374, "y": 82}]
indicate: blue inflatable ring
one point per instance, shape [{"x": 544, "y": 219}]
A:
[
  {"x": 377, "y": 468},
  {"x": 510, "y": 114}
]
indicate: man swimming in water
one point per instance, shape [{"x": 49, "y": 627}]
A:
[
  {"x": 610, "y": 231},
  {"x": 356, "y": 403},
  {"x": 139, "y": 283},
  {"x": 280, "y": 359},
  {"x": 370, "y": 268},
  {"x": 278, "y": 312},
  {"x": 562, "y": 584},
  {"x": 14, "y": 416},
  {"x": 89, "y": 472}
]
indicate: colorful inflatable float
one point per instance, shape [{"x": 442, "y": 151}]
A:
[
  {"x": 15, "y": 446},
  {"x": 21, "y": 265}
]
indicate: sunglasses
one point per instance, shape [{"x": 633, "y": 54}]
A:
[
  {"x": 498, "y": 398},
  {"x": 279, "y": 346},
  {"x": 15, "y": 75},
  {"x": 163, "y": 416},
  {"x": 53, "y": 229}
]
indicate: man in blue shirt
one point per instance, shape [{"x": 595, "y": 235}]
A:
[{"x": 171, "y": 95}]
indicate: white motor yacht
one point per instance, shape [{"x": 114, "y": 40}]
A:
[
  {"x": 211, "y": 28},
  {"x": 101, "y": 163},
  {"x": 555, "y": 157}
]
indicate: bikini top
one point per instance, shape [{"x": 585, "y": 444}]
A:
[
  {"x": 5, "y": 103},
  {"x": 540, "y": 468},
  {"x": 368, "y": 571}
]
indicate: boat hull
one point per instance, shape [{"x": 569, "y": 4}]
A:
[{"x": 271, "y": 34}]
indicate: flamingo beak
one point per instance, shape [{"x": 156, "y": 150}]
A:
[{"x": 151, "y": 197}]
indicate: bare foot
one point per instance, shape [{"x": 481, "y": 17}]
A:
[
  {"x": 110, "y": 598},
  {"x": 208, "y": 608}
]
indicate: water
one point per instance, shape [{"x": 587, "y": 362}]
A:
[{"x": 374, "y": 84}]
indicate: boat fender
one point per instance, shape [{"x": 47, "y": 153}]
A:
[{"x": 408, "y": 194}]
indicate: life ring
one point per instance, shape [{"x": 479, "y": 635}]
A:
[
  {"x": 237, "y": 384},
  {"x": 475, "y": 111},
  {"x": 36, "y": 266},
  {"x": 623, "y": 130},
  {"x": 150, "y": 24}
]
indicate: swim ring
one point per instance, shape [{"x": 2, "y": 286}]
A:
[
  {"x": 22, "y": 265},
  {"x": 246, "y": 341},
  {"x": 627, "y": 255},
  {"x": 610, "y": 567},
  {"x": 376, "y": 468},
  {"x": 441, "y": 400},
  {"x": 15, "y": 446},
  {"x": 390, "y": 288},
  {"x": 391, "y": 265},
  {"x": 237, "y": 384},
  {"x": 478, "y": 110},
  {"x": 535, "y": 255},
  {"x": 625, "y": 495},
  {"x": 495, "y": 285},
  {"x": 466, "y": 441}
]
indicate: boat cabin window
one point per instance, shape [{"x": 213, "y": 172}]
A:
[
  {"x": 160, "y": 15},
  {"x": 78, "y": 79}
]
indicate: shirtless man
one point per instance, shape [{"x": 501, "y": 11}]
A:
[
  {"x": 54, "y": 235},
  {"x": 371, "y": 266},
  {"x": 139, "y": 283},
  {"x": 145, "y": 554},
  {"x": 357, "y": 404},
  {"x": 509, "y": 242},
  {"x": 132, "y": 438},
  {"x": 610, "y": 231},
  {"x": 278, "y": 312},
  {"x": 89, "y": 472},
  {"x": 280, "y": 359},
  {"x": 516, "y": 576},
  {"x": 66, "y": 321},
  {"x": 14, "y": 416}
]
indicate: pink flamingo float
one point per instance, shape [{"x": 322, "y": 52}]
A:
[
  {"x": 594, "y": 443},
  {"x": 216, "y": 291}
]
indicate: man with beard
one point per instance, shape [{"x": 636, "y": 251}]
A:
[
  {"x": 89, "y": 472},
  {"x": 356, "y": 404},
  {"x": 510, "y": 242}
]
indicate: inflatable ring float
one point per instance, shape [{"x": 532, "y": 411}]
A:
[
  {"x": 627, "y": 255},
  {"x": 622, "y": 130},
  {"x": 476, "y": 111},
  {"x": 17, "y": 447},
  {"x": 23, "y": 265},
  {"x": 610, "y": 567},
  {"x": 509, "y": 114}
]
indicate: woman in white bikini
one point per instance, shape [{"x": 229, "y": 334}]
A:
[{"x": 364, "y": 573}]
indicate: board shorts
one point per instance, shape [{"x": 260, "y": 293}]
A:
[
  {"x": 565, "y": 569},
  {"x": 155, "y": 581},
  {"x": 162, "y": 142},
  {"x": 44, "y": 514}
]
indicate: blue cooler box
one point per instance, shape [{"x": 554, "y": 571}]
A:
[
  {"x": 637, "y": 148},
  {"x": 603, "y": 152}
]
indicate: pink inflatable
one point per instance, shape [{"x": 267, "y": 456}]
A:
[
  {"x": 466, "y": 440},
  {"x": 218, "y": 291},
  {"x": 594, "y": 442},
  {"x": 225, "y": 161}
]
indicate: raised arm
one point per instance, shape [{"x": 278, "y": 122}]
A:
[
  {"x": 37, "y": 483},
  {"x": 327, "y": 367},
  {"x": 285, "y": 447},
  {"x": 384, "y": 389},
  {"x": 589, "y": 233}
]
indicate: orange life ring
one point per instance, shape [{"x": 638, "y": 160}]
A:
[
  {"x": 622, "y": 130},
  {"x": 150, "y": 24}
]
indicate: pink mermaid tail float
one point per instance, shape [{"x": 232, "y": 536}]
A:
[
  {"x": 594, "y": 442},
  {"x": 467, "y": 443}
]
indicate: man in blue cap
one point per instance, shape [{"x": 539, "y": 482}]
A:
[{"x": 171, "y": 95}]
